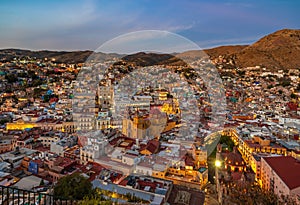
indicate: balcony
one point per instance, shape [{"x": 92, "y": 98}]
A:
[{"x": 10, "y": 195}]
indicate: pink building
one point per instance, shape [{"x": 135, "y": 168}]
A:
[{"x": 281, "y": 174}]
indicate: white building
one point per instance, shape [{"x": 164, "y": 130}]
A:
[{"x": 94, "y": 149}]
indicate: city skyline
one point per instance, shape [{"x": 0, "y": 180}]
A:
[
  {"x": 85, "y": 25},
  {"x": 136, "y": 109}
]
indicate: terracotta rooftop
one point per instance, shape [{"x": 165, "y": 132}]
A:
[
  {"x": 94, "y": 170},
  {"x": 41, "y": 148},
  {"x": 287, "y": 168},
  {"x": 233, "y": 158},
  {"x": 251, "y": 144},
  {"x": 152, "y": 146},
  {"x": 189, "y": 161}
]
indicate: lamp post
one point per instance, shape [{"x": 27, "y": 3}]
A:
[{"x": 218, "y": 164}]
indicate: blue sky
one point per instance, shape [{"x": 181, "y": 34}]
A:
[{"x": 86, "y": 24}]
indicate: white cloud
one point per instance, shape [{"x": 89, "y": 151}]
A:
[{"x": 235, "y": 41}]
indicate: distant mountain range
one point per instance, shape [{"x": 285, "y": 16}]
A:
[
  {"x": 279, "y": 50},
  {"x": 59, "y": 56}
]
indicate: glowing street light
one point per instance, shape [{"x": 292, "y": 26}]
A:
[{"x": 218, "y": 163}]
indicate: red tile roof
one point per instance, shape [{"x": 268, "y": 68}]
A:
[
  {"x": 66, "y": 162},
  {"x": 94, "y": 170},
  {"x": 123, "y": 182},
  {"x": 152, "y": 146},
  {"x": 153, "y": 185},
  {"x": 41, "y": 148},
  {"x": 292, "y": 106},
  {"x": 189, "y": 161},
  {"x": 233, "y": 158},
  {"x": 251, "y": 144},
  {"x": 287, "y": 168},
  {"x": 236, "y": 175}
]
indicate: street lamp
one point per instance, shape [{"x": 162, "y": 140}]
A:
[{"x": 218, "y": 163}]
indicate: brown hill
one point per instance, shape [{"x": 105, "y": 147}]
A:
[
  {"x": 224, "y": 50},
  {"x": 280, "y": 50},
  {"x": 59, "y": 56},
  {"x": 148, "y": 59},
  {"x": 191, "y": 55}
]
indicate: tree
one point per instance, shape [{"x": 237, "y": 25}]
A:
[
  {"x": 241, "y": 72},
  {"x": 42, "y": 183},
  {"x": 3, "y": 121},
  {"x": 285, "y": 82},
  {"x": 298, "y": 87},
  {"x": 95, "y": 201},
  {"x": 252, "y": 194},
  {"x": 37, "y": 92},
  {"x": 293, "y": 96},
  {"x": 36, "y": 82},
  {"x": 11, "y": 78},
  {"x": 74, "y": 187},
  {"x": 227, "y": 140}
]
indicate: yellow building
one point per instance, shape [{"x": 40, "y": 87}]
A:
[
  {"x": 256, "y": 145},
  {"x": 59, "y": 126},
  {"x": 102, "y": 123},
  {"x": 169, "y": 126},
  {"x": 20, "y": 125},
  {"x": 248, "y": 147},
  {"x": 141, "y": 126},
  {"x": 68, "y": 127},
  {"x": 105, "y": 92},
  {"x": 255, "y": 164},
  {"x": 199, "y": 154},
  {"x": 136, "y": 127},
  {"x": 199, "y": 176},
  {"x": 163, "y": 95},
  {"x": 169, "y": 108},
  {"x": 159, "y": 174},
  {"x": 296, "y": 154}
]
